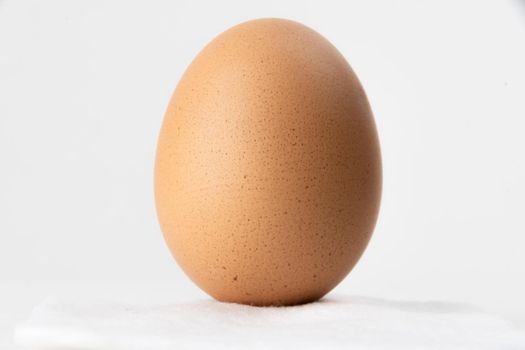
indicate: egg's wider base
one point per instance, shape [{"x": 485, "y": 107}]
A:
[{"x": 268, "y": 169}]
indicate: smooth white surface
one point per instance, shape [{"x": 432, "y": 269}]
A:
[
  {"x": 17, "y": 300},
  {"x": 83, "y": 89},
  {"x": 333, "y": 323}
]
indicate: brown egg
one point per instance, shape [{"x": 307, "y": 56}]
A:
[{"x": 268, "y": 169}]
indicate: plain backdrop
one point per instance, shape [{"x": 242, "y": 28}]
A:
[{"x": 84, "y": 86}]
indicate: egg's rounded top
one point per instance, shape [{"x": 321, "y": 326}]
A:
[{"x": 268, "y": 169}]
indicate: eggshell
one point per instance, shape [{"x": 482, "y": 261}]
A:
[{"x": 268, "y": 168}]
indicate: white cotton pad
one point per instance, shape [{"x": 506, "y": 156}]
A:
[{"x": 338, "y": 323}]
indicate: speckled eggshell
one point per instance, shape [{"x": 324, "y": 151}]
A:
[{"x": 268, "y": 168}]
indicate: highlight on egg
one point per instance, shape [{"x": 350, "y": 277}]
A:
[{"x": 268, "y": 167}]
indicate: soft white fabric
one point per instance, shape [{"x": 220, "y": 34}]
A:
[{"x": 338, "y": 323}]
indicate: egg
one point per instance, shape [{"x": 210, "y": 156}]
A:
[{"x": 268, "y": 166}]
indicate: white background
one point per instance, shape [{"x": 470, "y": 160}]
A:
[{"x": 83, "y": 89}]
